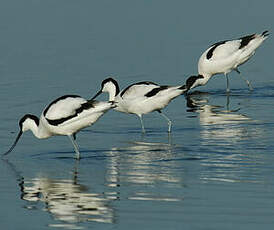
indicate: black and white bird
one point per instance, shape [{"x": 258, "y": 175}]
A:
[
  {"x": 64, "y": 116},
  {"x": 225, "y": 56},
  {"x": 141, "y": 98}
]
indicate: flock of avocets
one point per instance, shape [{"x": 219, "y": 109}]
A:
[{"x": 70, "y": 113}]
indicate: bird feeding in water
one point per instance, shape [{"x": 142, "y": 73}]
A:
[
  {"x": 225, "y": 56},
  {"x": 66, "y": 115},
  {"x": 141, "y": 98}
]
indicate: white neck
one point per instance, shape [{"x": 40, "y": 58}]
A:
[
  {"x": 206, "y": 78},
  {"x": 201, "y": 81},
  {"x": 111, "y": 89},
  {"x": 30, "y": 124},
  {"x": 111, "y": 95},
  {"x": 38, "y": 131}
]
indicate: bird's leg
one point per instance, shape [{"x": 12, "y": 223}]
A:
[
  {"x": 247, "y": 81},
  {"x": 75, "y": 172},
  {"x": 168, "y": 120},
  {"x": 169, "y": 139},
  {"x": 227, "y": 84},
  {"x": 142, "y": 124},
  {"x": 76, "y": 148}
]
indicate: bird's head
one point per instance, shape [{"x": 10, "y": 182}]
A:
[
  {"x": 25, "y": 124},
  {"x": 110, "y": 86},
  {"x": 194, "y": 81}
]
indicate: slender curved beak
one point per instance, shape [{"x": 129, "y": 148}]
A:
[
  {"x": 14, "y": 144},
  {"x": 96, "y": 95}
]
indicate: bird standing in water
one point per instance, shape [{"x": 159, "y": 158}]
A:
[
  {"x": 64, "y": 116},
  {"x": 225, "y": 56},
  {"x": 141, "y": 98}
]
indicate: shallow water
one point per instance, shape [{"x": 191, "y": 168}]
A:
[{"x": 214, "y": 171}]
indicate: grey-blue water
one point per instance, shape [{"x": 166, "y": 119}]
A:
[{"x": 215, "y": 170}]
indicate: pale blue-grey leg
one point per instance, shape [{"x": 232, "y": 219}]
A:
[
  {"x": 142, "y": 123},
  {"x": 168, "y": 120},
  {"x": 247, "y": 81},
  {"x": 227, "y": 84},
  {"x": 76, "y": 148}
]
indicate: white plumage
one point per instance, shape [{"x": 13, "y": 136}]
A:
[
  {"x": 141, "y": 98},
  {"x": 225, "y": 56},
  {"x": 64, "y": 116}
]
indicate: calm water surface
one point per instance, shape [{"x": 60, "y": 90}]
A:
[{"x": 215, "y": 170}]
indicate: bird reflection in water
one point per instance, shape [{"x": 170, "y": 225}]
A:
[
  {"x": 145, "y": 166},
  {"x": 66, "y": 200},
  {"x": 224, "y": 134},
  {"x": 217, "y": 123}
]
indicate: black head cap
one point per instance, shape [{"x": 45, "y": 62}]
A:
[
  {"x": 191, "y": 80},
  {"x": 30, "y": 116},
  {"x": 103, "y": 84},
  {"x": 22, "y": 120},
  {"x": 112, "y": 81}
]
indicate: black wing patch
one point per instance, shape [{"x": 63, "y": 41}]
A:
[
  {"x": 139, "y": 83},
  {"x": 265, "y": 33},
  {"x": 56, "y": 100},
  {"x": 245, "y": 40},
  {"x": 214, "y": 46},
  {"x": 155, "y": 91},
  {"x": 84, "y": 106}
]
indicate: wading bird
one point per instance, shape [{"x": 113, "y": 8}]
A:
[
  {"x": 141, "y": 98},
  {"x": 64, "y": 116},
  {"x": 225, "y": 56}
]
